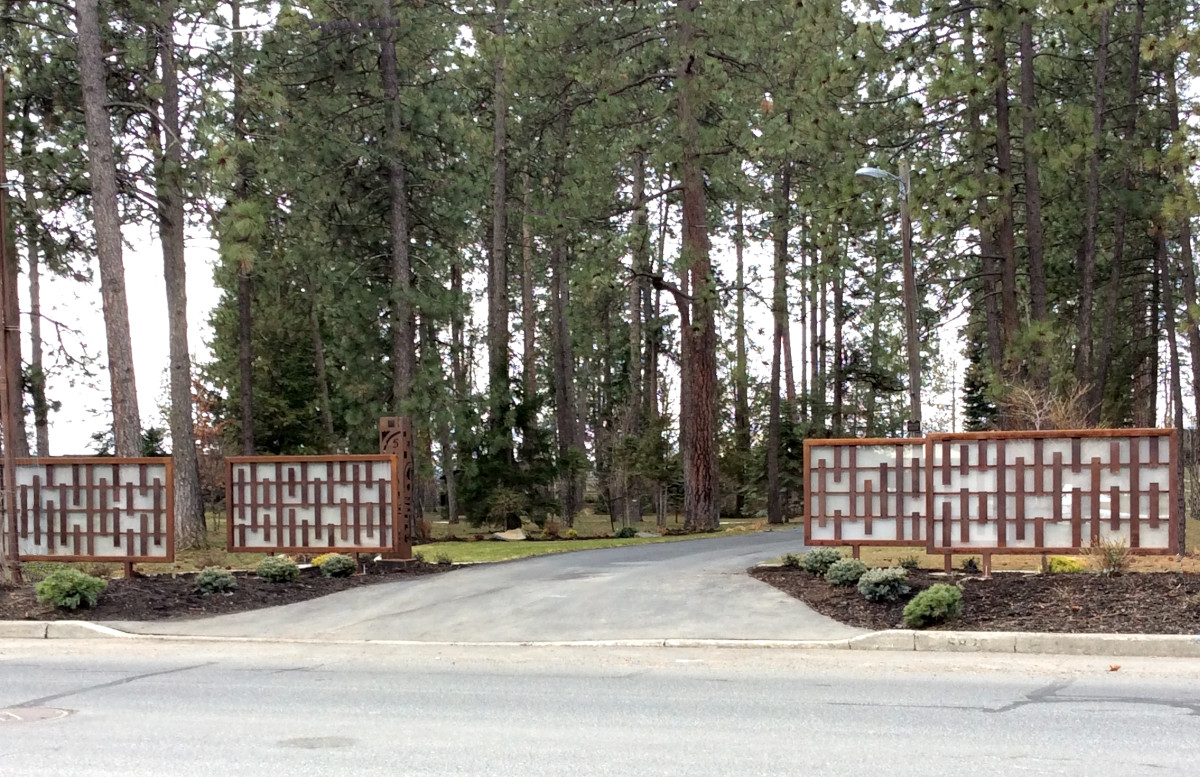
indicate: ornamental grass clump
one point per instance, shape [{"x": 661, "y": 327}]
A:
[
  {"x": 845, "y": 572},
  {"x": 819, "y": 560},
  {"x": 278, "y": 569},
  {"x": 214, "y": 580},
  {"x": 889, "y": 584},
  {"x": 936, "y": 604},
  {"x": 337, "y": 565},
  {"x": 70, "y": 589}
]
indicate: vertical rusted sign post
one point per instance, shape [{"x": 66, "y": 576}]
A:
[{"x": 396, "y": 439}]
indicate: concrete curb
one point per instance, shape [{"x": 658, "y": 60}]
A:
[{"x": 1028, "y": 643}]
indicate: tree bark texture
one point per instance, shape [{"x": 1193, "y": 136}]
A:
[
  {"x": 741, "y": 377},
  {"x": 37, "y": 372},
  {"x": 497, "y": 285},
  {"x": 1091, "y": 218},
  {"x": 190, "y": 529},
  {"x": 779, "y": 314},
  {"x": 107, "y": 219},
  {"x": 245, "y": 288},
  {"x": 1005, "y": 238},
  {"x": 528, "y": 306},
  {"x": 1105, "y": 348},
  {"x": 701, "y": 507}
]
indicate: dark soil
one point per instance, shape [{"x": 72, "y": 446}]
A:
[
  {"x": 174, "y": 597},
  {"x": 1074, "y": 602}
]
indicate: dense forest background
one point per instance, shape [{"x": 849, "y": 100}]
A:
[{"x": 542, "y": 229}]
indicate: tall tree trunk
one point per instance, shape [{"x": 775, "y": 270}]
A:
[
  {"x": 244, "y": 287},
  {"x": 528, "y": 308},
  {"x": 451, "y": 452},
  {"x": 805, "y": 382},
  {"x": 1087, "y": 270},
  {"x": 322, "y": 376},
  {"x": 779, "y": 228},
  {"x": 566, "y": 412},
  {"x": 404, "y": 355},
  {"x": 1104, "y": 353},
  {"x": 816, "y": 376},
  {"x": 1006, "y": 239},
  {"x": 107, "y": 218},
  {"x": 1188, "y": 273},
  {"x": 1034, "y": 241},
  {"x": 20, "y": 430},
  {"x": 654, "y": 336},
  {"x": 701, "y": 506},
  {"x": 403, "y": 328},
  {"x": 190, "y": 529},
  {"x": 839, "y": 376},
  {"x": 497, "y": 285},
  {"x": 1167, "y": 281},
  {"x": 987, "y": 243},
  {"x": 34, "y": 235},
  {"x": 741, "y": 377},
  {"x": 632, "y": 424}
]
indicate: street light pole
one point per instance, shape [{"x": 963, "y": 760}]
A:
[
  {"x": 910, "y": 293},
  {"x": 910, "y": 305}
]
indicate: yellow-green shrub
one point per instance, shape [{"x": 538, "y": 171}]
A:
[{"x": 1066, "y": 564}]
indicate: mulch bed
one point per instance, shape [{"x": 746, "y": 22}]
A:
[
  {"x": 1072, "y": 602},
  {"x": 174, "y": 597}
]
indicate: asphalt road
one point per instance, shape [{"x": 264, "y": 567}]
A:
[
  {"x": 694, "y": 589},
  {"x": 184, "y": 709}
]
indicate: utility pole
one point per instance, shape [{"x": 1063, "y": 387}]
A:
[
  {"x": 10, "y": 330},
  {"x": 910, "y": 305}
]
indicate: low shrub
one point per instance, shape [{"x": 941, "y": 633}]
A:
[
  {"x": 791, "y": 560},
  {"x": 910, "y": 562},
  {"x": 819, "y": 560},
  {"x": 552, "y": 530},
  {"x": 70, "y": 589},
  {"x": 278, "y": 569},
  {"x": 626, "y": 532},
  {"x": 338, "y": 565},
  {"x": 419, "y": 558},
  {"x": 444, "y": 559},
  {"x": 214, "y": 580},
  {"x": 1065, "y": 564},
  {"x": 1109, "y": 557},
  {"x": 321, "y": 559},
  {"x": 971, "y": 567},
  {"x": 936, "y": 604},
  {"x": 888, "y": 584},
  {"x": 845, "y": 572},
  {"x": 571, "y": 534}
]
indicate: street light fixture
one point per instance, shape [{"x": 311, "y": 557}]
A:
[{"x": 910, "y": 291}]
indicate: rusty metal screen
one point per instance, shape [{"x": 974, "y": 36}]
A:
[
  {"x": 300, "y": 504},
  {"x": 1047, "y": 492},
  {"x": 396, "y": 439},
  {"x": 95, "y": 509},
  {"x": 865, "y": 492}
]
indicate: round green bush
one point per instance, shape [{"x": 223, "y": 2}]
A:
[
  {"x": 214, "y": 580},
  {"x": 626, "y": 532},
  {"x": 936, "y": 604},
  {"x": 845, "y": 572},
  {"x": 70, "y": 589},
  {"x": 819, "y": 560},
  {"x": 888, "y": 584},
  {"x": 338, "y": 565},
  {"x": 278, "y": 569}
]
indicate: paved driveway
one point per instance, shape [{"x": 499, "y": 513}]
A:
[{"x": 694, "y": 589}]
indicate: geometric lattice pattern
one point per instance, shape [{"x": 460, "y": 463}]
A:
[
  {"x": 1046, "y": 492},
  {"x": 95, "y": 509},
  {"x": 297, "y": 504},
  {"x": 865, "y": 492}
]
